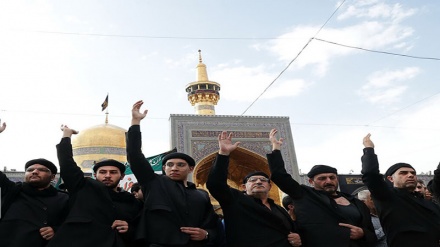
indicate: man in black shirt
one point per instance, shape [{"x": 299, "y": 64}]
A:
[
  {"x": 175, "y": 212},
  {"x": 406, "y": 217},
  {"x": 31, "y": 211},
  {"x": 324, "y": 215},
  {"x": 251, "y": 217},
  {"x": 101, "y": 214}
]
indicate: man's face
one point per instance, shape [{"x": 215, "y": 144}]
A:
[
  {"x": 404, "y": 177},
  {"x": 420, "y": 188},
  {"x": 327, "y": 182},
  {"x": 256, "y": 186},
  {"x": 109, "y": 176},
  {"x": 38, "y": 176},
  {"x": 177, "y": 169}
]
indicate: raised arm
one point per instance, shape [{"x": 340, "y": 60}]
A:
[
  {"x": 71, "y": 174},
  {"x": 279, "y": 174},
  {"x": 218, "y": 176},
  {"x": 2, "y": 127},
  {"x": 370, "y": 171},
  {"x": 139, "y": 165}
]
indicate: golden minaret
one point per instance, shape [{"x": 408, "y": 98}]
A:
[{"x": 203, "y": 94}]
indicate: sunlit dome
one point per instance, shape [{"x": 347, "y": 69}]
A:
[{"x": 105, "y": 141}]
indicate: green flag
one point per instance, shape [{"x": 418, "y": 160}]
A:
[{"x": 156, "y": 160}]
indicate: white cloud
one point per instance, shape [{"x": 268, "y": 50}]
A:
[
  {"x": 381, "y": 29},
  {"x": 385, "y": 87},
  {"x": 247, "y": 83}
]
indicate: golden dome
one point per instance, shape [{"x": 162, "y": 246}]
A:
[{"x": 104, "y": 141}]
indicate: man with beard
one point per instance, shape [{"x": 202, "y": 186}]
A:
[
  {"x": 101, "y": 214},
  {"x": 406, "y": 217},
  {"x": 175, "y": 212},
  {"x": 251, "y": 217},
  {"x": 33, "y": 210},
  {"x": 325, "y": 216}
]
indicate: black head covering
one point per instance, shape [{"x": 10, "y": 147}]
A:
[
  {"x": 109, "y": 162},
  {"x": 318, "y": 169},
  {"x": 176, "y": 155},
  {"x": 43, "y": 162},
  {"x": 396, "y": 167},
  {"x": 245, "y": 179}
]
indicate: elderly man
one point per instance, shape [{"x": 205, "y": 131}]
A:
[
  {"x": 251, "y": 217},
  {"x": 407, "y": 218},
  {"x": 175, "y": 212},
  {"x": 325, "y": 216},
  {"x": 101, "y": 215},
  {"x": 365, "y": 196},
  {"x": 33, "y": 210}
]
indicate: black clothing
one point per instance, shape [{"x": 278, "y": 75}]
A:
[
  {"x": 168, "y": 204},
  {"x": 406, "y": 218},
  {"x": 94, "y": 208},
  {"x": 25, "y": 210},
  {"x": 318, "y": 215},
  {"x": 248, "y": 222}
]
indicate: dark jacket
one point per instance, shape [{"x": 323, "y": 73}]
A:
[
  {"x": 406, "y": 218},
  {"x": 318, "y": 216},
  {"x": 167, "y": 203},
  {"x": 94, "y": 208},
  {"x": 247, "y": 221},
  {"x": 25, "y": 210}
]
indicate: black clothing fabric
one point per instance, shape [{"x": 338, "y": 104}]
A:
[
  {"x": 248, "y": 222},
  {"x": 318, "y": 215},
  {"x": 26, "y": 209},
  {"x": 406, "y": 218},
  {"x": 168, "y": 204},
  {"x": 93, "y": 208}
]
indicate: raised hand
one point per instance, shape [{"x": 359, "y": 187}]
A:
[
  {"x": 136, "y": 115},
  {"x": 225, "y": 143},
  {"x": 367, "y": 141},
  {"x": 68, "y": 132},
  {"x": 276, "y": 144},
  {"x": 2, "y": 127}
]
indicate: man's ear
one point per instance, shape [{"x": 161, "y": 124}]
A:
[
  {"x": 52, "y": 177},
  {"x": 243, "y": 187},
  {"x": 310, "y": 181},
  {"x": 122, "y": 176},
  {"x": 390, "y": 178},
  {"x": 191, "y": 168},
  {"x": 290, "y": 207}
]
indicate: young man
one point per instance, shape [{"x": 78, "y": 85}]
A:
[
  {"x": 101, "y": 215},
  {"x": 325, "y": 216},
  {"x": 251, "y": 218},
  {"x": 406, "y": 217},
  {"x": 175, "y": 212},
  {"x": 31, "y": 211}
]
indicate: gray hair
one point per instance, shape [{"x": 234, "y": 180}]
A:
[{"x": 363, "y": 195}]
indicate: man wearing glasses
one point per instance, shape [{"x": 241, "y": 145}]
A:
[
  {"x": 251, "y": 217},
  {"x": 175, "y": 212},
  {"x": 33, "y": 210}
]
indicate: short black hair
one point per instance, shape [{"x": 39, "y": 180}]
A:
[{"x": 287, "y": 200}]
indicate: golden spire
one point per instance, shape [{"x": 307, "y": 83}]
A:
[{"x": 203, "y": 94}]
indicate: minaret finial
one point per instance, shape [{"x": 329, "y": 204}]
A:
[{"x": 203, "y": 94}]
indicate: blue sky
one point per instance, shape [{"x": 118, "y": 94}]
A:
[{"x": 59, "y": 59}]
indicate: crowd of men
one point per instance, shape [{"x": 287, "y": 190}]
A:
[{"x": 167, "y": 210}]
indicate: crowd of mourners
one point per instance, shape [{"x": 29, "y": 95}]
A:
[{"x": 167, "y": 210}]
